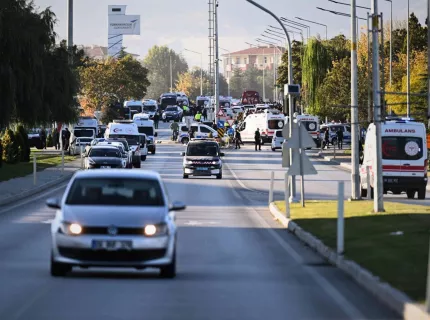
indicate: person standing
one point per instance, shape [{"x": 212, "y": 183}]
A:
[
  {"x": 326, "y": 138},
  {"x": 55, "y": 137},
  {"x": 237, "y": 139},
  {"x": 175, "y": 130},
  {"x": 156, "y": 119},
  {"x": 198, "y": 116},
  {"x": 257, "y": 139},
  {"x": 205, "y": 114},
  {"x": 66, "y": 139},
  {"x": 339, "y": 138},
  {"x": 43, "y": 138}
]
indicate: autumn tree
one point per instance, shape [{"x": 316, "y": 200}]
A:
[{"x": 157, "y": 61}]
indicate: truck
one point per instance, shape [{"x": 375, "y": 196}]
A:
[
  {"x": 82, "y": 133},
  {"x": 133, "y": 107},
  {"x": 250, "y": 97},
  {"x": 146, "y": 126}
]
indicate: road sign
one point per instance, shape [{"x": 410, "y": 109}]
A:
[
  {"x": 220, "y": 123},
  {"x": 300, "y": 138},
  {"x": 230, "y": 122},
  {"x": 305, "y": 163},
  {"x": 221, "y": 113}
]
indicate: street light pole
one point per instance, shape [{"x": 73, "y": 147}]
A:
[
  {"x": 70, "y": 30},
  {"x": 171, "y": 72},
  {"x": 408, "y": 70},
  {"x": 314, "y": 22},
  {"x": 378, "y": 204},
  {"x": 428, "y": 67},
  {"x": 290, "y": 81},
  {"x": 229, "y": 60},
  {"x": 391, "y": 42},
  {"x": 216, "y": 60},
  {"x": 201, "y": 69}
]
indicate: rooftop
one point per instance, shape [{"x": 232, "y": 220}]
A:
[{"x": 254, "y": 51}]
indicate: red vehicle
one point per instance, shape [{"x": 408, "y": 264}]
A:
[{"x": 250, "y": 97}]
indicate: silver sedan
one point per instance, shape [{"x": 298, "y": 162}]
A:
[{"x": 114, "y": 218}]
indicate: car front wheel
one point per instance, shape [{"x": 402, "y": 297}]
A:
[
  {"x": 59, "y": 269},
  {"x": 169, "y": 271},
  {"x": 143, "y": 158}
]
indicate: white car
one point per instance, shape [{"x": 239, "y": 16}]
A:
[
  {"x": 114, "y": 218},
  {"x": 277, "y": 140}
]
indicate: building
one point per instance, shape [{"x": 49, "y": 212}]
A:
[
  {"x": 268, "y": 57},
  {"x": 99, "y": 52}
]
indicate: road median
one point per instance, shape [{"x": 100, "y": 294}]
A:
[{"x": 385, "y": 253}]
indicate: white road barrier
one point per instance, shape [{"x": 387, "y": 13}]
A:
[
  {"x": 272, "y": 178},
  {"x": 34, "y": 170},
  {"x": 340, "y": 218}
]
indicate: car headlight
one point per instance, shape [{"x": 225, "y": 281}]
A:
[
  {"x": 152, "y": 230},
  {"x": 215, "y": 162},
  {"x": 72, "y": 229},
  {"x": 188, "y": 162}
]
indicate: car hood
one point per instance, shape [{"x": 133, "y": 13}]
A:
[
  {"x": 204, "y": 158},
  {"x": 120, "y": 216},
  {"x": 106, "y": 160}
]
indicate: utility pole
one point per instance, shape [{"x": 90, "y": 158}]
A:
[
  {"x": 171, "y": 72},
  {"x": 216, "y": 60},
  {"x": 378, "y": 204},
  {"x": 355, "y": 159},
  {"x": 264, "y": 75},
  {"x": 369, "y": 82},
  {"x": 408, "y": 69},
  {"x": 70, "y": 30}
]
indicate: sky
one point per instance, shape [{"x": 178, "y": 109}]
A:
[{"x": 183, "y": 24}]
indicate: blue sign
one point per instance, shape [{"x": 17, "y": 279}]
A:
[{"x": 220, "y": 124}]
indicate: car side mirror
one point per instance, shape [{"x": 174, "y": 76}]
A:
[
  {"x": 221, "y": 154},
  {"x": 156, "y": 134},
  {"x": 177, "y": 206},
  {"x": 53, "y": 203},
  {"x": 183, "y": 154}
]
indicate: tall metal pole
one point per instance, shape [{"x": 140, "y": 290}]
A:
[
  {"x": 228, "y": 84},
  {"x": 290, "y": 81},
  {"x": 355, "y": 160},
  {"x": 369, "y": 82},
  {"x": 70, "y": 29},
  {"x": 391, "y": 42},
  {"x": 383, "y": 111},
  {"x": 378, "y": 205},
  {"x": 274, "y": 73},
  {"x": 408, "y": 70},
  {"x": 171, "y": 72},
  {"x": 264, "y": 76},
  {"x": 201, "y": 74},
  {"x": 216, "y": 60}
]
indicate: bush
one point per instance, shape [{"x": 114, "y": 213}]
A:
[
  {"x": 50, "y": 140},
  {"x": 10, "y": 147}
]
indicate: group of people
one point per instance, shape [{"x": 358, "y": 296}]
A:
[{"x": 339, "y": 138}]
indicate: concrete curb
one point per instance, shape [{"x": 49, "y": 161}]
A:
[
  {"x": 345, "y": 166},
  {"x": 37, "y": 190},
  {"x": 393, "y": 298}
]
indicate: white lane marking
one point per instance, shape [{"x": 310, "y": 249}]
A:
[
  {"x": 49, "y": 221},
  {"x": 341, "y": 301},
  {"x": 32, "y": 199},
  {"x": 193, "y": 223}
]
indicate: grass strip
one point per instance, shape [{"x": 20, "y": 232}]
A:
[{"x": 393, "y": 245}]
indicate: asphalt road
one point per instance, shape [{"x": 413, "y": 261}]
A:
[{"x": 234, "y": 261}]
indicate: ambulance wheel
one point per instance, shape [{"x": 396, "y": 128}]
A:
[
  {"x": 273, "y": 149},
  {"x": 185, "y": 176},
  {"x": 422, "y": 193},
  {"x": 137, "y": 165},
  {"x": 142, "y": 158},
  {"x": 185, "y": 140},
  {"x": 372, "y": 193},
  {"x": 410, "y": 194}
]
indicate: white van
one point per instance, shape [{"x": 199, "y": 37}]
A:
[
  {"x": 134, "y": 107},
  {"x": 150, "y": 107},
  {"x": 146, "y": 126},
  {"x": 126, "y": 129},
  {"x": 404, "y": 158},
  {"x": 312, "y": 124},
  {"x": 82, "y": 133},
  {"x": 266, "y": 122}
]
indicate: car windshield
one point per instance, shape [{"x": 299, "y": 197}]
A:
[
  {"x": 202, "y": 149},
  {"x": 201, "y": 102},
  {"x": 279, "y": 134},
  {"x": 149, "y": 108},
  {"x": 275, "y": 124},
  {"x": 124, "y": 143},
  {"x": 135, "y": 108},
  {"x": 149, "y": 131},
  {"x": 115, "y": 192},
  {"x": 131, "y": 139},
  {"x": 80, "y": 133},
  {"x": 105, "y": 152},
  {"x": 168, "y": 101},
  {"x": 402, "y": 148},
  {"x": 171, "y": 109}
]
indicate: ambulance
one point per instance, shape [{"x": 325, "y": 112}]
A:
[
  {"x": 312, "y": 124},
  {"x": 266, "y": 123},
  {"x": 126, "y": 129},
  {"x": 404, "y": 158}
]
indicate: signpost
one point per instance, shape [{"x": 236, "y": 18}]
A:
[
  {"x": 301, "y": 165},
  {"x": 220, "y": 124}
]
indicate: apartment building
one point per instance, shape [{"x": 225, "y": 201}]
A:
[
  {"x": 268, "y": 57},
  {"x": 99, "y": 52}
]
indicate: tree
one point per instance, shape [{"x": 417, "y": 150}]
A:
[
  {"x": 316, "y": 63},
  {"x": 236, "y": 83},
  {"x": 158, "y": 63},
  {"x": 297, "y": 52},
  {"x": 27, "y": 39},
  {"x": 108, "y": 114},
  {"x": 188, "y": 83},
  {"x": 113, "y": 80}
]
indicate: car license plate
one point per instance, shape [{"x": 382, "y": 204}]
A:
[
  {"x": 202, "y": 169},
  {"x": 111, "y": 245},
  {"x": 105, "y": 167},
  {"x": 391, "y": 180}
]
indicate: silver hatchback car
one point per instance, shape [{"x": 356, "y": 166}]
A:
[{"x": 114, "y": 218}]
